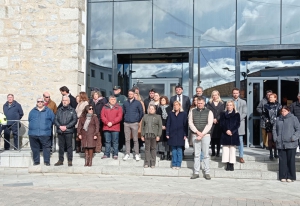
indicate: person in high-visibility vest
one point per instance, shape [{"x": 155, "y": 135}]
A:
[{"x": 3, "y": 120}]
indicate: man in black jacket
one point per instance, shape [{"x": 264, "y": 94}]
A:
[
  {"x": 149, "y": 99},
  {"x": 65, "y": 121},
  {"x": 184, "y": 100},
  {"x": 66, "y": 92},
  {"x": 295, "y": 108}
]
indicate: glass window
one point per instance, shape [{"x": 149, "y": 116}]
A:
[
  {"x": 93, "y": 73},
  {"x": 215, "y": 22},
  {"x": 101, "y": 75},
  {"x": 173, "y": 23},
  {"x": 217, "y": 70},
  {"x": 109, "y": 78},
  {"x": 100, "y": 28},
  {"x": 290, "y": 21},
  {"x": 258, "y": 22},
  {"x": 132, "y": 24}
]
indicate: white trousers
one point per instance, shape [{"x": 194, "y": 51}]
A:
[{"x": 228, "y": 154}]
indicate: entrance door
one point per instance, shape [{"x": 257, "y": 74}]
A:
[
  {"x": 163, "y": 86},
  {"x": 286, "y": 89}
]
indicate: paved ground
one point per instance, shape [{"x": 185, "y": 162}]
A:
[{"x": 17, "y": 187}]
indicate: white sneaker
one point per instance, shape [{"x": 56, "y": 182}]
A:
[
  {"x": 137, "y": 157},
  {"x": 126, "y": 157}
]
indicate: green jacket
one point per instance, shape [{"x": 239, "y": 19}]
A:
[{"x": 155, "y": 121}]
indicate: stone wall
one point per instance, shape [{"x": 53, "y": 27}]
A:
[{"x": 42, "y": 48}]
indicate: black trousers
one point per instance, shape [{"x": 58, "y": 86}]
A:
[
  {"x": 287, "y": 167},
  {"x": 65, "y": 140},
  {"x": 121, "y": 136},
  {"x": 213, "y": 143}
]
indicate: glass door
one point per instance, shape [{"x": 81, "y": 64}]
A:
[{"x": 289, "y": 88}]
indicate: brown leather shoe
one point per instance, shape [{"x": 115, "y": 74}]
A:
[
  {"x": 242, "y": 160},
  {"x": 69, "y": 163},
  {"x": 58, "y": 163}
]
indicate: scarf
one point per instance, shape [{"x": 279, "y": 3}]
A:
[
  {"x": 164, "y": 112},
  {"x": 97, "y": 100},
  {"x": 87, "y": 121}
]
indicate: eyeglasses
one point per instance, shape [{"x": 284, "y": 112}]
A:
[
  {"x": 91, "y": 108},
  {"x": 40, "y": 101},
  {"x": 47, "y": 97}
]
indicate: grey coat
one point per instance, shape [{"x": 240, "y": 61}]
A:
[
  {"x": 155, "y": 121},
  {"x": 242, "y": 110},
  {"x": 286, "y": 132},
  {"x": 259, "y": 109}
]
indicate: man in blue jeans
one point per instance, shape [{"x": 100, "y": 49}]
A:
[
  {"x": 111, "y": 116},
  {"x": 241, "y": 107},
  {"x": 40, "y": 120}
]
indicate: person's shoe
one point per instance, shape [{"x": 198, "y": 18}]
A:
[
  {"x": 289, "y": 180},
  {"x": 47, "y": 164},
  {"x": 104, "y": 157},
  {"x": 146, "y": 166},
  {"x": 178, "y": 168},
  {"x": 207, "y": 177},
  {"x": 137, "y": 157},
  {"x": 162, "y": 157},
  {"x": 36, "y": 163},
  {"x": 195, "y": 176},
  {"x": 126, "y": 157},
  {"x": 152, "y": 167},
  {"x": 227, "y": 166},
  {"x": 218, "y": 155},
  {"x": 283, "y": 180},
  {"x": 58, "y": 163},
  {"x": 174, "y": 168},
  {"x": 231, "y": 167},
  {"x": 115, "y": 157},
  {"x": 70, "y": 163},
  {"x": 242, "y": 160},
  {"x": 213, "y": 154},
  {"x": 271, "y": 157},
  {"x": 169, "y": 157}
]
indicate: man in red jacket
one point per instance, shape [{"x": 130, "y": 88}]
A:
[{"x": 111, "y": 116}]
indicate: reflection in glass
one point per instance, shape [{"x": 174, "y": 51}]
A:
[
  {"x": 173, "y": 23},
  {"x": 258, "y": 22},
  {"x": 144, "y": 89},
  {"x": 290, "y": 21},
  {"x": 132, "y": 24},
  {"x": 215, "y": 22},
  {"x": 256, "y": 98},
  {"x": 100, "y": 34}
]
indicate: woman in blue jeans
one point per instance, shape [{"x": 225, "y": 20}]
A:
[{"x": 176, "y": 133}]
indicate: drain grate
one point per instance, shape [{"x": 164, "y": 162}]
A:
[{"x": 18, "y": 184}]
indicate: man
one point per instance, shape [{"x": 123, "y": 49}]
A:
[
  {"x": 40, "y": 120},
  {"x": 111, "y": 116},
  {"x": 200, "y": 122},
  {"x": 241, "y": 108},
  {"x": 65, "y": 92},
  {"x": 133, "y": 114},
  {"x": 51, "y": 105},
  {"x": 295, "y": 108},
  {"x": 184, "y": 100},
  {"x": 149, "y": 99},
  {"x": 199, "y": 93},
  {"x": 13, "y": 111},
  {"x": 259, "y": 109},
  {"x": 65, "y": 121}
]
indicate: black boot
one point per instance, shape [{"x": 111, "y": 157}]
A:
[
  {"x": 271, "y": 154},
  {"x": 231, "y": 167},
  {"x": 169, "y": 156},
  {"x": 275, "y": 153},
  {"x": 162, "y": 156},
  {"x": 227, "y": 166}
]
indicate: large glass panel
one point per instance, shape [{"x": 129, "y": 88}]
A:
[
  {"x": 217, "y": 70},
  {"x": 100, "y": 28},
  {"x": 215, "y": 22},
  {"x": 258, "y": 22},
  {"x": 173, "y": 23},
  {"x": 101, "y": 62},
  {"x": 132, "y": 24},
  {"x": 290, "y": 21}
]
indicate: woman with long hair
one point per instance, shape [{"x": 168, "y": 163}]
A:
[{"x": 88, "y": 132}]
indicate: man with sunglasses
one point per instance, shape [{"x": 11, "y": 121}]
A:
[{"x": 40, "y": 120}]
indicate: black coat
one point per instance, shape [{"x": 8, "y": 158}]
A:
[
  {"x": 270, "y": 113},
  {"x": 146, "y": 104},
  {"x": 98, "y": 107},
  {"x": 73, "y": 102},
  {"x": 66, "y": 116},
  {"x": 295, "y": 109},
  {"x": 177, "y": 128},
  {"x": 230, "y": 121},
  {"x": 217, "y": 111},
  {"x": 186, "y": 103},
  {"x": 164, "y": 122}
]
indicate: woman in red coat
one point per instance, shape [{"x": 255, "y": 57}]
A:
[{"x": 88, "y": 132}]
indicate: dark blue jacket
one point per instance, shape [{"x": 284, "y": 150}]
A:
[
  {"x": 177, "y": 128},
  {"x": 133, "y": 111},
  {"x": 40, "y": 122},
  {"x": 230, "y": 121},
  {"x": 13, "y": 112}
]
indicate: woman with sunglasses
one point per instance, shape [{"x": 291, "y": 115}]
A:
[{"x": 88, "y": 132}]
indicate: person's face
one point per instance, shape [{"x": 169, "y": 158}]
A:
[
  {"x": 117, "y": 91},
  {"x": 46, "y": 97},
  {"x": 96, "y": 96},
  {"x": 176, "y": 107},
  {"x": 215, "y": 96},
  {"x": 63, "y": 93},
  {"x": 151, "y": 110},
  {"x": 40, "y": 103},
  {"x": 77, "y": 99},
  {"x": 112, "y": 101},
  {"x": 156, "y": 97},
  {"x": 284, "y": 112},
  {"x": 91, "y": 110},
  {"x": 235, "y": 94},
  {"x": 136, "y": 96},
  {"x": 272, "y": 98},
  {"x": 151, "y": 95},
  {"x": 10, "y": 99},
  {"x": 178, "y": 91},
  {"x": 65, "y": 102},
  {"x": 195, "y": 101},
  {"x": 268, "y": 94},
  {"x": 199, "y": 92},
  {"x": 163, "y": 101},
  {"x": 200, "y": 104},
  {"x": 130, "y": 95},
  {"x": 137, "y": 91},
  {"x": 229, "y": 106}
]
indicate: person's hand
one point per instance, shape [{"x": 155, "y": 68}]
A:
[
  {"x": 95, "y": 137},
  {"x": 198, "y": 138},
  {"x": 143, "y": 139},
  {"x": 228, "y": 132},
  {"x": 184, "y": 137},
  {"x": 109, "y": 124},
  {"x": 167, "y": 137},
  {"x": 157, "y": 138},
  {"x": 63, "y": 128},
  {"x": 80, "y": 137},
  {"x": 215, "y": 121},
  {"x": 163, "y": 127},
  {"x": 199, "y": 133}
]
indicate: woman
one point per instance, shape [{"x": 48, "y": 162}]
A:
[
  {"x": 138, "y": 97},
  {"x": 82, "y": 103},
  {"x": 194, "y": 105},
  {"x": 229, "y": 124},
  {"x": 88, "y": 132},
  {"x": 98, "y": 103},
  {"x": 216, "y": 105},
  {"x": 151, "y": 132},
  {"x": 286, "y": 133},
  {"x": 163, "y": 110},
  {"x": 270, "y": 112},
  {"x": 176, "y": 133}
]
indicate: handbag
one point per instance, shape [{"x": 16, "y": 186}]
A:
[{"x": 186, "y": 143}]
